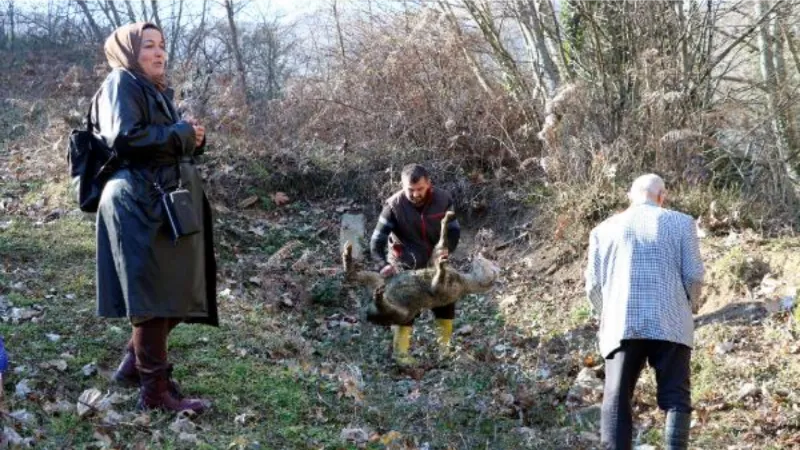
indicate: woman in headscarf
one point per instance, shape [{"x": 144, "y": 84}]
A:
[{"x": 144, "y": 272}]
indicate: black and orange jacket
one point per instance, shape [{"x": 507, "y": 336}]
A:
[{"x": 414, "y": 230}]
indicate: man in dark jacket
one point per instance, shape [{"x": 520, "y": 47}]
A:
[{"x": 407, "y": 231}]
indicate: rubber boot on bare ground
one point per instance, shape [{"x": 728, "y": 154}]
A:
[
  {"x": 676, "y": 430},
  {"x": 400, "y": 345},
  {"x": 150, "y": 345}
]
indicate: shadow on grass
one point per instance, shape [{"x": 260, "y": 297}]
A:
[{"x": 742, "y": 313}]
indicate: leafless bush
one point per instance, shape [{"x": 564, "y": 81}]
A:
[{"x": 402, "y": 90}]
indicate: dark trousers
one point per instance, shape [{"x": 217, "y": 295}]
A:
[
  {"x": 442, "y": 312},
  {"x": 623, "y": 367}
]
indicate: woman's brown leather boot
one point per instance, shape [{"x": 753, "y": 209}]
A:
[
  {"x": 150, "y": 345},
  {"x": 127, "y": 375}
]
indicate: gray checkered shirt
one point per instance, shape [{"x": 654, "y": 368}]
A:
[{"x": 642, "y": 264}]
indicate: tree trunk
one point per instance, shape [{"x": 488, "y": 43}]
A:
[
  {"x": 145, "y": 16},
  {"x": 198, "y": 36},
  {"x": 131, "y": 14},
  {"x": 107, "y": 13},
  {"x": 237, "y": 53},
  {"x": 114, "y": 13},
  {"x": 531, "y": 26},
  {"x": 785, "y": 93},
  {"x": 176, "y": 31},
  {"x": 154, "y": 10},
  {"x": 339, "y": 31},
  {"x": 482, "y": 15},
  {"x": 767, "y": 48},
  {"x": 473, "y": 63},
  {"x": 98, "y": 35},
  {"x": 683, "y": 25},
  {"x": 11, "y": 26}
]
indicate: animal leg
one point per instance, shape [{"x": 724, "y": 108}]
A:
[
  {"x": 439, "y": 276},
  {"x": 347, "y": 259},
  {"x": 442, "y": 244},
  {"x": 369, "y": 279}
]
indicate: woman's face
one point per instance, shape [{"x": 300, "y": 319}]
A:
[{"x": 152, "y": 57}]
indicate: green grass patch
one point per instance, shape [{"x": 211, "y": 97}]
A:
[{"x": 59, "y": 243}]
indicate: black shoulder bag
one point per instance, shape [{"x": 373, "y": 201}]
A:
[
  {"x": 179, "y": 209},
  {"x": 91, "y": 164}
]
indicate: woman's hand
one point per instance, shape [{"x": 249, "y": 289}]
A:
[
  {"x": 199, "y": 131},
  {"x": 199, "y": 134}
]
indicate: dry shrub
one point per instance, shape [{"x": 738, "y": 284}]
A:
[
  {"x": 402, "y": 95},
  {"x": 402, "y": 88},
  {"x": 46, "y": 95},
  {"x": 661, "y": 130}
]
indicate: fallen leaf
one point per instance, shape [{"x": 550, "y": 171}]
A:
[
  {"x": 188, "y": 437},
  {"x": 506, "y": 399},
  {"x": 182, "y": 425},
  {"x": 22, "y": 389},
  {"x": 723, "y": 348},
  {"x": 88, "y": 401},
  {"x": 221, "y": 208},
  {"x": 390, "y": 437},
  {"x": 248, "y": 202},
  {"x": 19, "y": 314},
  {"x": 356, "y": 435},
  {"x": 59, "y": 407},
  {"x": 103, "y": 440},
  {"x": 58, "y": 364},
  {"x": 465, "y": 330},
  {"x": 747, "y": 390},
  {"x": 89, "y": 369},
  {"x": 142, "y": 420},
  {"x": 243, "y": 418},
  {"x": 15, "y": 440},
  {"x": 112, "y": 417},
  {"x": 351, "y": 384},
  {"x": 280, "y": 198},
  {"x": 22, "y": 416}
]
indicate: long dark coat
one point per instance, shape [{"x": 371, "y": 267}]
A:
[{"x": 141, "y": 272}]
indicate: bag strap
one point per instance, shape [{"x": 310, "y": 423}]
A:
[{"x": 89, "y": 124}]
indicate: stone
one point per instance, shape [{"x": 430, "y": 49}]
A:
[
  {"x": 748, "y": 390},
  {"x": 587, "y": 385},
  {"x": 356, "y": 435}
]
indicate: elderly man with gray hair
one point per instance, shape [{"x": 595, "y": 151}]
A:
[{"x": 644, "y": 278}]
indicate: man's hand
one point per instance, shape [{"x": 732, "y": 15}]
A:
[
  {"x": 694, "y": 293},
  {"x": 388, "y": 271}
]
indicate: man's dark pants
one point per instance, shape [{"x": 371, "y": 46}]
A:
[
  {"x": 623, "y": 367},
  {"x": 442, "y": 312}
]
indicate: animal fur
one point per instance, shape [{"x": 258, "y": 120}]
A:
[{"x": 400, "y": 298}]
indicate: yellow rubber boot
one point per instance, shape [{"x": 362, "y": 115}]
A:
[
  {"x": 444, "y": 330},
  {"x": 400, "y": 346}
]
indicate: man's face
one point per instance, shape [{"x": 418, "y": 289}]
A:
[{"x": 417, "y": 193}]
